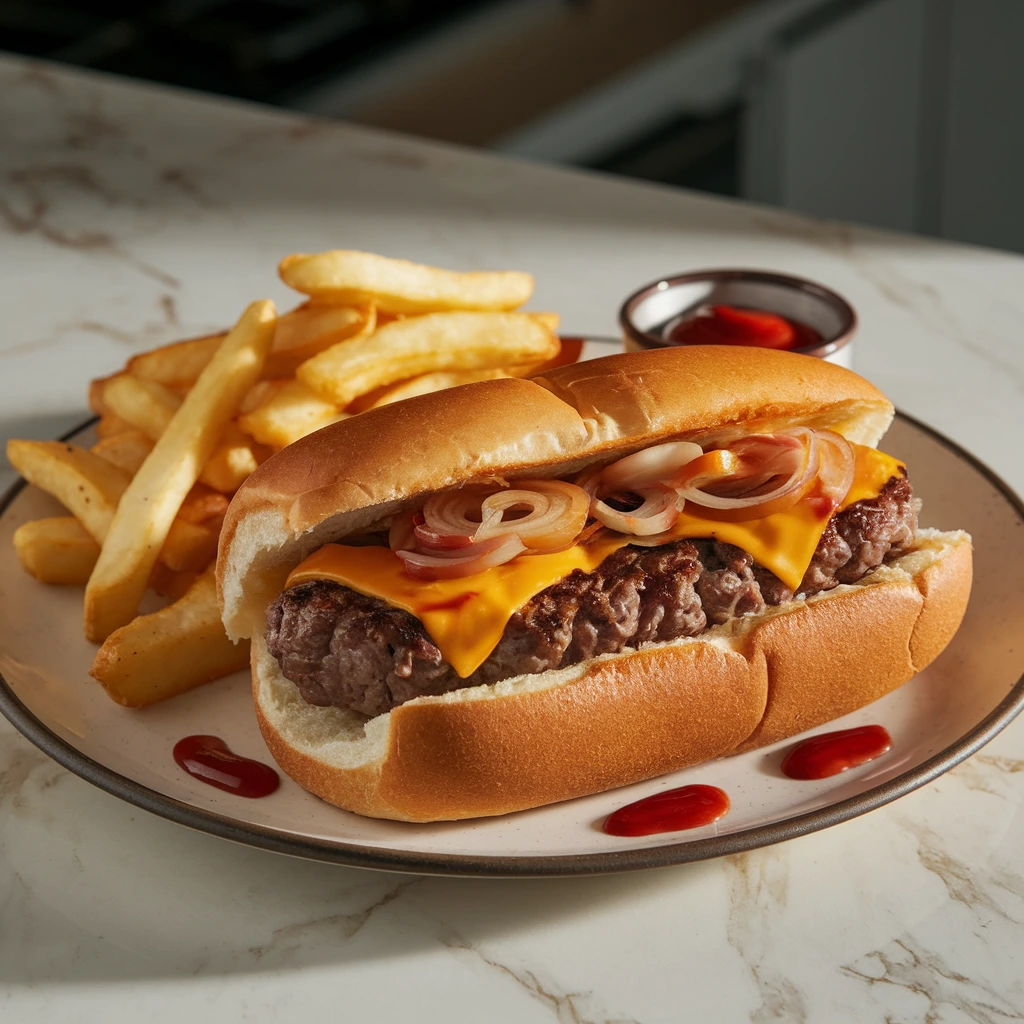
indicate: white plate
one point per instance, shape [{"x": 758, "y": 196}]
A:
[{"x": 946, "y": 713}]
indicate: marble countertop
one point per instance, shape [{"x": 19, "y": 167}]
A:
[{"x": 131, "y": 216}]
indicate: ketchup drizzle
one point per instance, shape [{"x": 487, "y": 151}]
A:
[
  {"x": 671, "y": 811},
  {"x": 834, "y": 752},
  {"x": 209, "y": 759}
]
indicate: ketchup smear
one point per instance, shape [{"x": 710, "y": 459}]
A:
[
  {"x": 208, "y": 759},
  {"x": 671, "y": 811},
  {"x": 835, "y": 752},
  {"x": 732, "y": 325}
]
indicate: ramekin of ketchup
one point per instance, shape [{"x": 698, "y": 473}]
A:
[{"x": 740, "y": 307}]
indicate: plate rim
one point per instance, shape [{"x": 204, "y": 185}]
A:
[{"x": 518, "y": 866}]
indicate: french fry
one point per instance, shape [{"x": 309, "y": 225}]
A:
[
  {"x": 173, "y": 650},
  {"x": 292, "y": 411},
  {"x": 85, "y": 484},
  {"x": 127, "y": 450},
  {"x": 151, "y": 502},
  {"x": 202, "y": 504},
  {"x": 91, "y": 488},
  {"x": 398, "y": 286},
  {"x": 189, "y": 547},
  {"x": 569, "y": 352},
  {"x": 310, "y": 328},
  {"x": 110, "y": 425},
  {"x": 168, "y": 583},
  {"x": 424, "y": 385},
  {"x": 177, "y": 365},
  {"x": 96, "y": 389},
  {"x": 299, "y": 334},
  {"x": 425, "y": 344},
  {"x": 56, "y": 550},
  {"x": 234, "y": 458},
  {"x": 548, "y": 320},
  {"x": 146, "y": 405}
]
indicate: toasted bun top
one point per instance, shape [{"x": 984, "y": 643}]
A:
[{"x": 351, "y": 474}]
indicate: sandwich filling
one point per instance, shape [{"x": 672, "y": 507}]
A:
[{"x": 355, "y": 630}]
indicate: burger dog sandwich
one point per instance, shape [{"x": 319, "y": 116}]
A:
[{"x": 522, "y": 591}]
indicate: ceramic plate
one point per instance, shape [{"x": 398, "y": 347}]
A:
[{"x": 943, "y": 715}]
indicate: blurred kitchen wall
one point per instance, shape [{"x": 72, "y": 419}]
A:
[{"x": 899, "y": 113}]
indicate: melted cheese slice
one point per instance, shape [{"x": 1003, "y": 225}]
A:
[{"x": 466, "y": 617}]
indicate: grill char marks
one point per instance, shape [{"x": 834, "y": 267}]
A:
[{"x": 347, "y": 650}]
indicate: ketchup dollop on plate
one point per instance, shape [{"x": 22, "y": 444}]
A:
[
  {"x": 209, "y": 759},
  {"x": 671, "y": 811},
  {"x": 826, "y": 755}
]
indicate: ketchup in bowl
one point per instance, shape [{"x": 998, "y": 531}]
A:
[{"x": 735, "y": 325}]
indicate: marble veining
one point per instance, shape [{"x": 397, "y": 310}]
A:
[{"x": 131, "y": 216}]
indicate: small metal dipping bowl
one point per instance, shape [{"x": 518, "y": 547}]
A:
[{"x": 651, "y": 312}]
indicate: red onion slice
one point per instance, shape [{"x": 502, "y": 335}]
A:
[
  {"x": 555, "y": 512},
  {"x": 653, "y": 465},
  {"x": 764, "y": 459},
  {"x": 657, "y": 513},
  {"x": 465, "y": 562}
]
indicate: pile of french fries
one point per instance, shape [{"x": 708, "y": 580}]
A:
[{"x": 182, "y": 426}]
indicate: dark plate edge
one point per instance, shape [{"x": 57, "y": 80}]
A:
[{"x": 383, "y": 859}]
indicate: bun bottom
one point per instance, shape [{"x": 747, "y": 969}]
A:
[{"x": 625, "y": 717}]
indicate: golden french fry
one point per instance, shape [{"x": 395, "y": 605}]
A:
[
  {"x": 96, "y": 389},
  {"x": 202, "y": 504},
  {"x": 85, "y": 484},
  {"x": 56, "y": 550},
  {"x": 146, "y": 405},
  {"x": 168, "y": 583},
  {"x": 127, "y": 450},
  {"x": 258, "y": 394},
  {"x": 292, "y": 411},
  {"x": 299, "y": 334},
  {"x": 189, "y": 547},
  {"x": 310, "y": 328},
  {"x": 425, "y": 384},
  {"x": 234, "y": 458},
  {"x": 548, "y": 320},
  {"x": 398, "y": 286},
  {"x": 157, "y": 656},
  {"x": 177, "y": 365},
  {"x": 91, "y": 487},
  {"x": 151, "y": 502},
  {"x": 110, "y": 425},
  {"x": 424, "y": 344}
]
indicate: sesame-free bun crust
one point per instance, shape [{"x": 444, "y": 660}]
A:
[
  {"x": 340, "y": 479},
  {"x": 621, "y": 718}
]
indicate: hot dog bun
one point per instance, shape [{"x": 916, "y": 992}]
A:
[{"x": 619, "y": 718}]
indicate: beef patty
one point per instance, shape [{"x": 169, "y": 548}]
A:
[{"x": 344, "y": 649}]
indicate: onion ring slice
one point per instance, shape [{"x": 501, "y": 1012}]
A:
[
  {"x": 556, "y": 511},
  {"x": 465, "y": 562},
  {"x": 657, "y": 513},
  {"x": 650, "y": 466}
]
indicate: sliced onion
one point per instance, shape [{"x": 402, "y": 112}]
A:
[
  {"x": 650, "y": 466},
  {"x": 456, "y": 513},
  {"x": 837, "y": 466},
  {"x": 775, "y": 472},
  {"x": 465, "y": 562},
  {"x": 427, "y": 539},
  {"x": 657, "y": 512},
  {"x": 402, "y": 532},
  {"x": 556, "y": 511},
  {"x": 720, "y": 464}
]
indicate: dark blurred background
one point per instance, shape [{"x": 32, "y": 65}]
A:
[{"x": 899, "y": 113}]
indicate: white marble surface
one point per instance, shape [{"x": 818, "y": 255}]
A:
[{"x": 130, "y": 216}]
